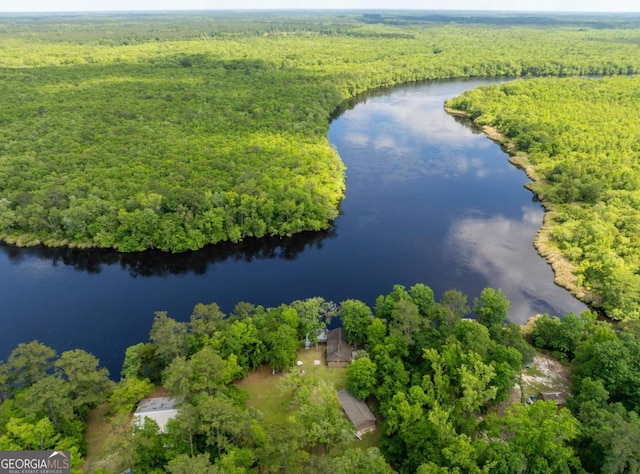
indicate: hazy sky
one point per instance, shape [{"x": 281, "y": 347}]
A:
[{"x": 523, "y": 5}]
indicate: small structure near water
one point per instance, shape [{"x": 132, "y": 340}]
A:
[
  {"x": 339, "y": 353},
  {"x": 321, "y": 336},
  {"x": 158, "y": 409},
  {"x": 557, "y": 397},
  {"x": 358, "y": 412}
]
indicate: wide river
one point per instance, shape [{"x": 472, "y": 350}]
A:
[{"x": 428, "y": 200}]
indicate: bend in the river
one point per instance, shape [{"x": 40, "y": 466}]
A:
[{"x": 428, "y": 200}]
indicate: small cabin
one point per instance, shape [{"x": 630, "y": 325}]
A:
[
  {"x": 339, "y": 353},
  {"x": 358, "y": 413},
  {"x": 321, "y": 337},
  {"x": 557, "y": 397}
]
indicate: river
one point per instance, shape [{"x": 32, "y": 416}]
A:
[{"x": 428, "y": 200}]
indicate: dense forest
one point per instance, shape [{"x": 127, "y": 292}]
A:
[
  {"x": 442, "y": 387},
  {"x": 176, "y": 131},
  {"x": 579, "y": 140}
]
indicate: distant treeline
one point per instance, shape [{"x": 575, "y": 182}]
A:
[{"x": 174, "y": 131}]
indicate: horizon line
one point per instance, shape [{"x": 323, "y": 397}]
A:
[{"x": 342, "y": 10}]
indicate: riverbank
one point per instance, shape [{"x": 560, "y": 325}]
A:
[{"x": 564, "y": 271}]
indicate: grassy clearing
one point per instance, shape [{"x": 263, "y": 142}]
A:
[
  {"x": 263, "y": 387},
  {"x": 104, "y": 430},
  {"x": 98, "y": 430},
  {"x": 545, "y": 374},
  {"x": 265, "y": 394}
]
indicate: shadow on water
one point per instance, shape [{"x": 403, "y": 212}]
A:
[{"x": 154, "y": 263}]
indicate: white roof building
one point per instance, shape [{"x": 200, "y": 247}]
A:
[{"x": 159, "y": 409}]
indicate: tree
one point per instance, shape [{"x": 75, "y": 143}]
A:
[
  {"x": 473, "y": 337},
  {"x": 361, "y": 377},
  {"x": 210, "y": 371},
  {"x": 148, "y": 447},
  {"x": 205, "y": 320},
  {"x": 140, "y": 361},
  {"x": 88, "y": 384},
  {"x": 320, "y": 414},
  {"x": 178, "y": 377},
  {"x": 184, "y": 429},
  {"x": 185, "y": 464},
  {"x": 128, "y": 392},
  {"x": 242, "y": 339},
  {"x": 476, "y": 379},
  {"x": 491, "y": 307},
  {"x": 22, "y": 435},
  {"x": 223, "y": 424},
  {"x": 50, "y": 397},
  {"x": 540, "y": 432},
  {"x": 405, "y": 321},
  {"x": 455, "y": 303},
  {"x": 314, "y": 314},
  {"x": 28, "y": 363},
  {"x": 169, "y": 337},
  {"x": 282, "y": 345},
  {"x": 241, "y": 311},
  {"x": 620, "y": 440},
  {"x": 352, "y": 461},
  {"x": 424, "y": 299},
  {"x": 356, "y": 318},
  {"x": 613, "y": 359},
  {"x": 376, "y": 332},
  {"x": 386, "y": 304},
  {"x": 282, "y": 450}
]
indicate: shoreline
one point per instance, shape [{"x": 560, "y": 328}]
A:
[{"x": 563, "y": 269}]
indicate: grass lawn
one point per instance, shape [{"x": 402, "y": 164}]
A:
[
  {"x": 264, "y": 392},
  {"x": 263, "y": 387},
  {"x": 98, "y": 430}
]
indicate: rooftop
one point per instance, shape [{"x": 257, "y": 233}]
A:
[{"x": 357, "y": 411}]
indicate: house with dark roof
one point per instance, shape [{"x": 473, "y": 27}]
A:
[
  {"x": 358, "y": 412},
  {"x": 339, "y": 353},
  {"x": 557, "y": 397}
]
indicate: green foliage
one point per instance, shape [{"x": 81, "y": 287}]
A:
[
  {"x": 44, "y": 399},
  {"x": 89, "y": 383},
  {"x": 352, "y": 461},
  {"x": 26, "y": 365},
  {"x": 562, "y": 336},
  {"x": 140, "y": 361},
  {"x": 580, "y": 140},
  {"x": 128, "y": 392},
  {"x": 320, "y": 413},
  {"x": 491, "y": 307},
  {"x": 356, "y": 318},
  {"x": 614, "y": 359},
  {"x": 178, "y": 131},
  {"x": 361, "y": 377},
  {"x": 185, "y": 464},
  {"x": 540, "y": 433},
  {"x": 169, "y": 337}
]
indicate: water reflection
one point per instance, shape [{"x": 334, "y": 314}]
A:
[
  {"x": 156, "y": 263},
  {"x": 400, "y": 157},
  {"x": 500, "y": 249},
  {"x": 427, "y": 200}
]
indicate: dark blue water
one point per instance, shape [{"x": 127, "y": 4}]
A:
[{"x": 428, "y": 200}]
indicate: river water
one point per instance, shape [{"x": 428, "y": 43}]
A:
[{"x": 428, "y": 200}]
